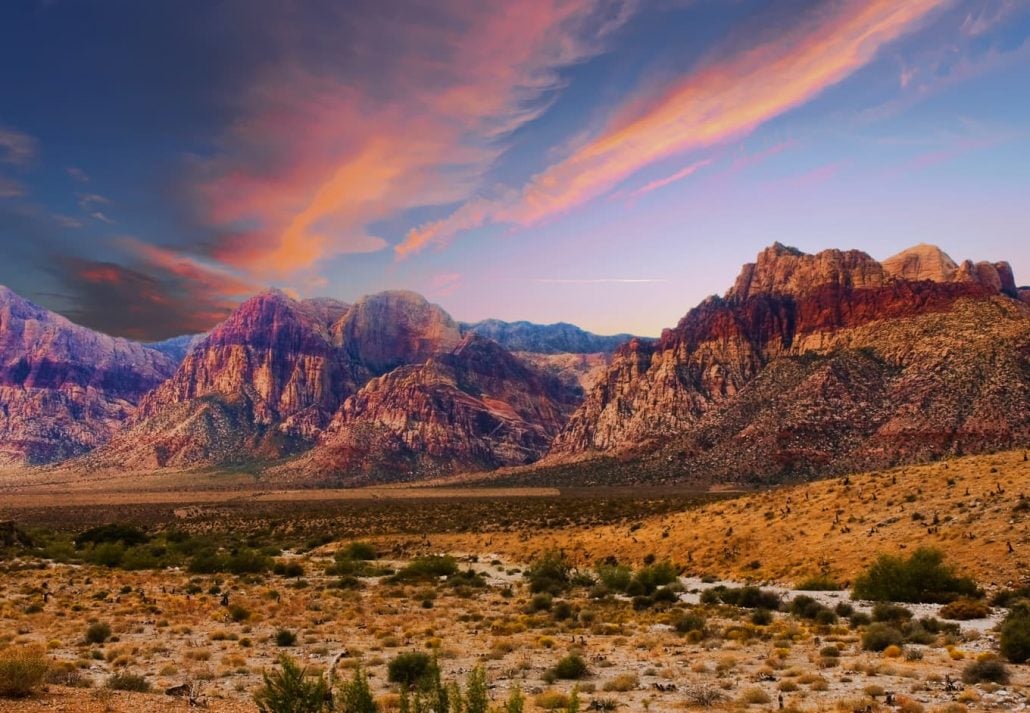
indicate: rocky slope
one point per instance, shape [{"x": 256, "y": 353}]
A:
[
  {"x": 474, "y": 407},
  {"x": 816, "y": 363},
  {"x": 560, "y": 338},
  {"x": 65, "y": 389}
]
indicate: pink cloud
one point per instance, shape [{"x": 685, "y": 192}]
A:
[
  {"x": 725, "y": 98},
  {"x": 315, "y": 158}
]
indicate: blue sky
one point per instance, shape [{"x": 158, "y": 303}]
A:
[{"x": 603, "y": 162}]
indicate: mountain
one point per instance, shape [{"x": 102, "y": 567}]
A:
[
  {"x": 475, "y": 407},
  {"x": 65, "y": 389},
  {"x": 560, "y": 338},
  {"x": 176, "y": 348},
  {"x": 813, "y": 364},
  {"x": 264, "y": 383}
]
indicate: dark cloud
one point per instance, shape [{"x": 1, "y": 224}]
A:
[{"x": 132, "y": 303}]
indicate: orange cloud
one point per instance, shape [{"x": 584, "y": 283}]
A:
[
  {"x": 314, "y": 159},
  {"x": 725, "y": 99},
  {"x": 663, "y": 182}
]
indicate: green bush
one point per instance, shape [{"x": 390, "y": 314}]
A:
[
  {"x": 989, "y": 670},
  {"x": 964, "y": 610},
  {"x": 285, "y": 637},
  {"x": 98, "y": 632},
  {"x": 552, "y": 573},
  {"x": 570, "y": 668},
  {"x": 879, "y": 636},
  {"x": 890, "y": 612},
  {"x": 427, "y": 568},
  {"x": 476, "y": 698},
  {"x": 409, "y": 668},
  {"x": 691, "y": 621},
  {"x": 1015, "y": 635},
  {"x": 22, "y": 671},
  {"x": 805, "y": 607},
  {"x": 616, "y": 577},
  {"x": 356, "y": 695},
  {"x": 358, "y": 551},
  {"x": 238, "y": 613},
  {"x": 745, "y": 597},
  {"x": 128, "y": 682},
  {"x": 648, "y": 579},
  {"x": 290, "y": 690},
  {"x": 125, "y": 534},
  {"x": 922, "y": 577}
]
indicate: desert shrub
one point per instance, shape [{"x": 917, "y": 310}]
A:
[
  {"x": 806, "y": 607},
  {"x": 516, "y": 702},
  {"x": 761, "y": 617},
  {"x": 540, "y": 602},
  {"x": 622, "y": 683},
  {"x": 476, "y": 698},
  {"x": 23, "y": 671},
  {"x": 691, "y": 621},
  {"x": 648, "y": 579},
  {"x": 356, "y": 695},
  {"x": 128, "y": 682},
  {"x": 747, "y": 597},
  {"x": 359, "y": 551},
  {"x": 858, "y": 619},
  {"x": 819, "y": 583},
  {"x": 964, "y": 610},
  {"x": 206, "y": 562},
  {"x": 879, "y": 636},
  {"x": 754, "y": 696},
  {"x": 98, "y": 632},
  {"x": 990, "y": 670},
  {"x": 570, "y": 668},
  {"x": 922, "y": 577},
  {"x": 616, "y": 577},
  {"x": 1009, "y": 597},
  {"x": 285, "y": 637},
  {"x": 288, "y": 569},
  {"x": 409, "y": 668},
  {"x": 239, "y": 613},
  {"x": 247, "y": 561},
  {"x": 125, "y": 534},
  {"x": 890, "y": 612},
  {"x": 107, "y": 554},
  {"x": 701, "y": 696},
  {"x": 1015, "y": 635},
  {"x": 290, "y": 690},
  {"x": 551, "y": 700},
  {"x": 427, "y": 568},
  {"x": 551, "y": 572}
]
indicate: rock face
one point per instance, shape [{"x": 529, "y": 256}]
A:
[
  {"x": 475, "y": 407},
  {"x": 265, "y": 383},
  {"x": 817, "y": 363},
  {"x": 65, "y": 389},
  {"x": 560, "y": 338}
]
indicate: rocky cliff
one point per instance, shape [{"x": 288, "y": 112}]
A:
[
  {"x": 65, "y": 389},
  {"x": 475, "y": 407},
  {"x": 813, "y": 363},
  {"x": 559, "y": 338}
]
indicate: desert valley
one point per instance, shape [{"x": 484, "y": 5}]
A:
[
  {"x": 450, "y": 356},
  {"x": 532, "y": 515}
]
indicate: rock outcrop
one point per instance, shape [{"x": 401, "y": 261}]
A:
[
  {"x": 816, "y": 363},
  {"x": 475, "y": 407},
  {"x": 65, "y": 389}
]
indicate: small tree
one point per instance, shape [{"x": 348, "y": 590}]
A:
[
  {"x": 356, "y": 695},
  {"x": 922, "y": 577},
  {"x": 1015, "y": 635},
  {"x": 516, "y": 702},
  {"x": 476, "y": 700},
  {"x": 290, "y": 690}
]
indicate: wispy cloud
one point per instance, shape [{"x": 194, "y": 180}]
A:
[
  {"x": 726, "y": 98},
  {"x": 16, "y": 148},
  {"x": 91, "y": 203},
  {"x": 9, "y": 188},
  {"x": 316, "y": 158},
  {"x": 678, "y": 176}
]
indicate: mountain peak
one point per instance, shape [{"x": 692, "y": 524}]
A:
[{"x": 921, "y": 262}]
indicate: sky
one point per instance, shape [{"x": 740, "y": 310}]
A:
[{"x": 608, "y": 163}]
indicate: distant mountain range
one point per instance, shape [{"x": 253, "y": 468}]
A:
[{"x": 808, "y": 365}]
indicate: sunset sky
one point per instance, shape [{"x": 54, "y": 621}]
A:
[{"x": 603, "y": 162}]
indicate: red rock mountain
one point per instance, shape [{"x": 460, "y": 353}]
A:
[
  {"x": 267, "y": 381},
  {"x": 819, "y": 363},
  {"x": 65, "y": 389},
  {"x": 475, "y": 407}
]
